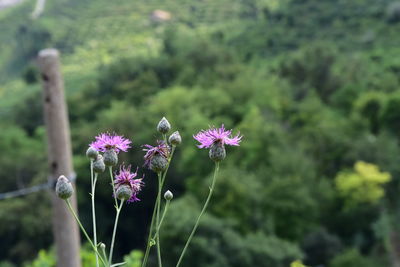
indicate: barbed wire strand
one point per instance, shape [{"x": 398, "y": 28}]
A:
[{"x": 33, "y": 189}]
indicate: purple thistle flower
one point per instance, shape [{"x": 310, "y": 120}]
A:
[
  {"x": 126, "y": 177},
  {"x": 207, "y": 138},
  {"x": 106, "y": 141},
  {"x": 151, "y": 151}
]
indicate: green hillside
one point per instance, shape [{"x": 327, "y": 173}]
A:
[{"x": 93, "y": 34}]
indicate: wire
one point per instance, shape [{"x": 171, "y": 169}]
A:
[{"x": 26, "y": 191}]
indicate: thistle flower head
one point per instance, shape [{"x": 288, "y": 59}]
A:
[
  {"x": 107, "y": 141},
  {"x": 161, "y": 149},
  {"x": 127, "y": 178},
  {"x": 207, "y": 138}
]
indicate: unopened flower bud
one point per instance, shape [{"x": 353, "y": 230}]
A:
[
  {"x": 64, "y": 188},
  {"x": 175, "y": 139},
  {"x": 158, "y": 163},
  {"x": 98, "y": 164},
  {"x": 124, "y": 192},
  {"x": 110, "y": 158},
  {"x": 102, "y": 246},
  {"x": 163, "y": 126},
  {"x": 217, "y": 152},
  {"x": 168, "y": 195},
  {"x": 92, "y": 153}
]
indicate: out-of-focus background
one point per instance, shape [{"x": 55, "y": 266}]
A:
[{"x": 313, "y": 85}]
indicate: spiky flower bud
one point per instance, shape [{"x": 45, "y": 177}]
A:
[
  {"x": 158, "y": 163},
  {"x": 98, "y": 164},
  {"x": 217, "y": 152},
  {"x": 124, "y": 192},
  {"x": 168, "y": 195},
  {"x": 163, "y": 126},
  {"x": 175, "y": 139},
  {"x": 92, "y": 153},
  {"x": 64, "y": 189},
  {"x": 110, "y": 158}
]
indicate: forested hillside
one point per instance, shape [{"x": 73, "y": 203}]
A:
[{"x": 313, "y": 85}]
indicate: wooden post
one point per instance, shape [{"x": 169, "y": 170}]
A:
[{"x": 65, "y": 229}]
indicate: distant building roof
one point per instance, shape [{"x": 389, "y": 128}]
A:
[{"x": 159, "y": 15}]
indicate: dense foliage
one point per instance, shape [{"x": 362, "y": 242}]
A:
[{"x": 313, "y": 85}]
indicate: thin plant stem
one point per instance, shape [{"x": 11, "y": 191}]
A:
[
  {"x": 93, "y": 183},
  {"x": 166, "y": 170},
  {"x": 103, "y": 251},
  {"x": 158, "y": 219},
  {"x": 146, "y": 255},
  {"x": 114, "y": 232},
  {"x": 113, "y": 187},
  {"x": 201, "y": 213},
  {"x": 84, "y": 231},
  {"x": 162, "y": 218},
  {"x": 149, "y": 239}
]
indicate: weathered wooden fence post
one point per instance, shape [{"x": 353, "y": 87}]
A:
[{"x": 65, "y": 229}]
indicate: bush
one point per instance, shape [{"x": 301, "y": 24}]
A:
[
  {"x": 48, "y": 259},
  {"x": 393, "y": 12},
  {"x": 320, "y": 247},
  {"x": 44, "y": 259},
  {"x": 353, "y": 258},
  {"x": 218, "y": 243}
]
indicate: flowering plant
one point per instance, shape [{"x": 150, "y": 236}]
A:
[{"x": 126, "y": 185}]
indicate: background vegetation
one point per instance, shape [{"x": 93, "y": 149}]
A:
[{"x": 313, "y": 85}]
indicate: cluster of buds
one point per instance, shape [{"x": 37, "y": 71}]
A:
[
  {"x": 110, "y": 145},
  {"x": 103, "y": 152},
  {"x": 157, "y": 157}
]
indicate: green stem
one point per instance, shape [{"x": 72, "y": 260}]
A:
[
  {"x": 93, "y": 183},
  {"x": 201, "y": 213},
  {"x": 103, "y": 251},
  {"x": 84, "y": 231},
  {"x": 149, "y": 239},
  {"x": 158, "y": 219},
  {"x": 114, "y": 232},
  {"x": 166, "y": 170},
  {"x": 113, "y": 186},
  {"x": 146, "y": 255},
  {"x": 162, "y": 218}
]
